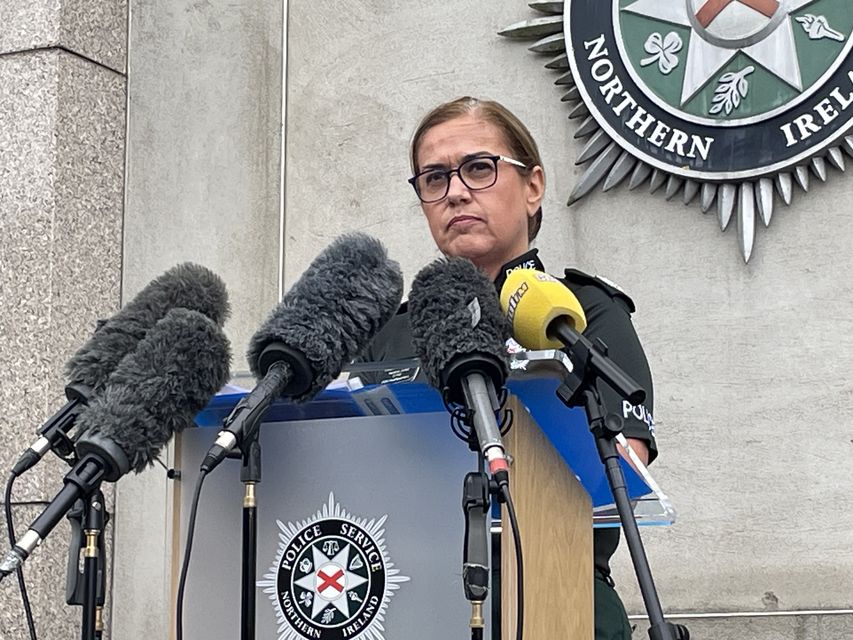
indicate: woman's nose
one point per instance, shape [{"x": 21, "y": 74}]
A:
[{"x": 456, "y": 189}]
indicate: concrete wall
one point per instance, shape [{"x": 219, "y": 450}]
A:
[
  {"x": 751, "y": 362},
  {"x": 62, "y": 132},
  {"x": 203, "y": 184}
]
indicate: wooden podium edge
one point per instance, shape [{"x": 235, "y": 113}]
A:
[{"x": 555, "y": 520}]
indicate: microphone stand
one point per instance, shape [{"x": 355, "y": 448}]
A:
[
  {"x": 475, "y": 556},
  {"x": 591, "y": 363},
  {"x": 250, "y": 475},
  {"x": 244, "y": 443},
  {"x": 86, "y": 589},
  {"x": 477, "y": 488}
]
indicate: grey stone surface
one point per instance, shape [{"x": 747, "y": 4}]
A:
[
  {"x": 145, "y": 555},
  {"x": 751, "y": 362},
  {"x": 797, "y": 627},
  {"x": 62, "y": 124},
  {"x": 89, "y": 194},
  {"x": 96, "y": 30},
  {"x": 28, "y": 103},
  {"x": 62, "y": 136},
  {"x": 29, "y": 24},
  {"x": 203, "y": 164}
]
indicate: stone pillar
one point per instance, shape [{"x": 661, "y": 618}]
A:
[{"x": 62, "y": 137}]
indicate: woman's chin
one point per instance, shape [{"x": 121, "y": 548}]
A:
[
  {"x": 471, "y": 247},
  {"x": 484, "y": 258}
]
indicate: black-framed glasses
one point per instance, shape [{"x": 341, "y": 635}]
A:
[{"x": 479, "y": 172}]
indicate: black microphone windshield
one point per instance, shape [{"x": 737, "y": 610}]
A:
[
  {"x": 332, "y": 313},
  {"x": 156, "y": 391},
  {"x": 455, "y": 313},
  {"x": 187, "y": 285}
]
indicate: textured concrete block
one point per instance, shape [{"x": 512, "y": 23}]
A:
[
  {"x": 204, "y": 185},
  {"x": 29, "y": 24},
  {"x": 147, "y": 556},
  {"x": 95, "y": 30},
  {"x": 89, "y": 199},
  {"x": 28, "y": 105},
  {"x": 61, "y": 149},
  {"x": 751, "y": 366}
]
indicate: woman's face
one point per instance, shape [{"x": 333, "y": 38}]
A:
[{"x": 489, "y": 226}]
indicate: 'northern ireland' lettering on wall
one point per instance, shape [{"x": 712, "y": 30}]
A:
[{"x": 728, "y": 101}]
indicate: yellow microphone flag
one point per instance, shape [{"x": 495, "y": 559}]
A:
[{"x": 531, "y": 300}]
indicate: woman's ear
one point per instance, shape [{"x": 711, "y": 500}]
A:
[{"x": 535, "y": 190}]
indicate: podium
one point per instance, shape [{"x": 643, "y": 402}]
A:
[{"x": 360, "y": 517}]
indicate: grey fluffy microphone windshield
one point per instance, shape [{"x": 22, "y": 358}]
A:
[
  {"x": 153, "y": 393},
  {"x": 187, "y": 285},
  {"x": 460, "y": 334},
  {"x": 156, "y": 391},
  {"x": 456, "y": 316},
  {"x": 332, "y": 312},
  {"x": 347, "y": 294}
]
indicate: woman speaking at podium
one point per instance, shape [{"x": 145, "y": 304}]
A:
[{"x": 478, "y": 175}]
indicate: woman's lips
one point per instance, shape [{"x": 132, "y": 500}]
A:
[{"x": 464, "y": 221}]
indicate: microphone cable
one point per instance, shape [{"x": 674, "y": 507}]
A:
[
  {"x": 182, "y": 582},
  {"x": 519, "y": 562},
  {"x": 10, "y": 528}
]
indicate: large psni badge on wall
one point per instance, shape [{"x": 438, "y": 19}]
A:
[
  {"x": 732, "y": 102},
  {"x": 332, "y": 578}
]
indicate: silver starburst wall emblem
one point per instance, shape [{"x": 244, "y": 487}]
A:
[{"x": 733, "y": 103}]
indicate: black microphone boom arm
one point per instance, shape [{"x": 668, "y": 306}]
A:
[{"x": 594, "y": 360}]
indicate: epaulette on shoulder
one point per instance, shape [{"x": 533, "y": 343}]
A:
[{"x": 581, "y": 279}]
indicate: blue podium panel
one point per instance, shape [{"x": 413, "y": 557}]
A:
[{"x": 360, "y": 530}]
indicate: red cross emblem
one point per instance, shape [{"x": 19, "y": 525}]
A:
[
  {"x": 330, "y": 581},
  {"x": 713, "y": 8}
]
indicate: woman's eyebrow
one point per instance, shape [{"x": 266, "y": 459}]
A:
[{"x": 465, "y": 158}]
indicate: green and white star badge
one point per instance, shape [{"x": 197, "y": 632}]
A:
[{"x": 730, "y": 101}]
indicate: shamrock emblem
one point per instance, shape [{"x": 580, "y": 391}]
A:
[{"x": 663, "y": 50}]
